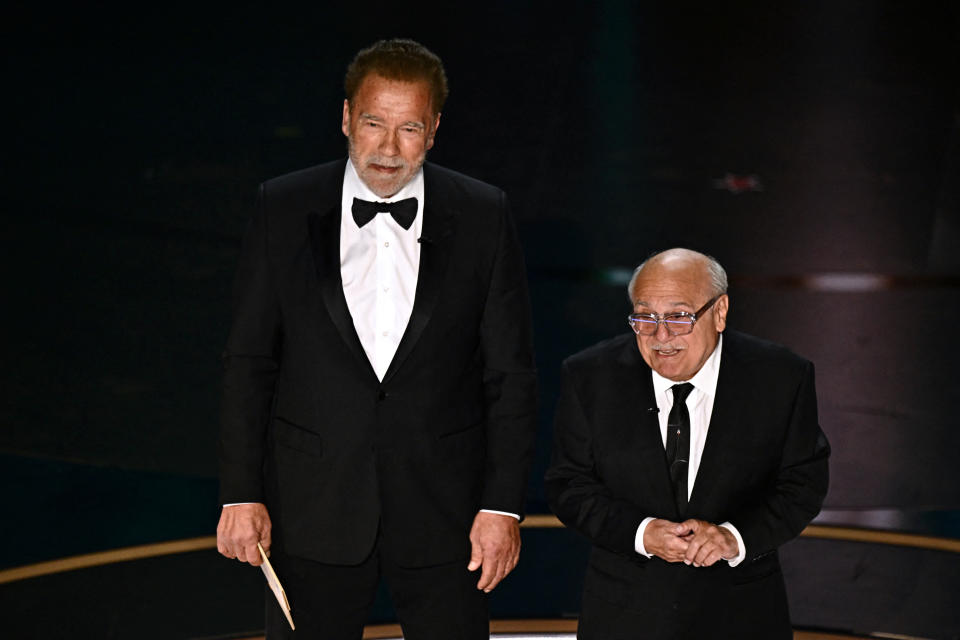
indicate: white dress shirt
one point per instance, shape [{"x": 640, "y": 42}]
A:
[
  {"x": 700, "y": 407},
  {"x": 379, "y": 266}
]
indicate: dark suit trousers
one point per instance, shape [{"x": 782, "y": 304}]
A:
[
  {"x": 333, "y": 602},
  {"x": 700, "y": 608}
]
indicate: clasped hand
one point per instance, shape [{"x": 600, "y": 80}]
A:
[{"x": 693, "y": 542}]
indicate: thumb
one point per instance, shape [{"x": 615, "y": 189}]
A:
[
  {"x": 685, "y": 527},
  {"x": 476, "y": 556}
]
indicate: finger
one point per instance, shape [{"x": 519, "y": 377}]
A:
[
  {"x": 514, "y": 561},
  {"x": 712, "y": 558},
  {"x": 266, "y": 540},
  {"x": 223, "y": 541},
  {"x": 692, "y": 550},
  {"x": 697, "y": 562},
  {"x": 493, "y": 566},
  {"x": 487, "y": 576},
  {"x": 503, "y": 569},
  {"x": 499, "y": 575},
  {"x": 681, "y": 546},
  {"x": 706, "y": 556},
  {"x": 675, "y": 553},
  {"x": 708, "y": 549},
  {"x": 250, "y": 554},
  {"x": 226, "y": 546}
]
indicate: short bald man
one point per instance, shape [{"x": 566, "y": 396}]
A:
[{"x": 687, "y": 454}]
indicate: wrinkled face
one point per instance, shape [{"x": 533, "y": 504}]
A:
[
  {"x": 678, "y": 284},
  {"x": 389, "y": 127}
]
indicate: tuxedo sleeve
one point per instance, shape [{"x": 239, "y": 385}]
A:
[
  {"x": 575, "y": 492},
  {"x": 509, "y": 375},
  {"x": 796, "y": 493},
  {"x": 251, "y": 363}
]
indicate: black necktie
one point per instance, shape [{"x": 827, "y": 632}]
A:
[
  {"x": 678, "y": 443},
  {"x": 403, "y": 211}
]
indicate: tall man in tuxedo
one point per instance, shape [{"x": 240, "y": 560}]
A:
[
  {"x": 379, "y": 394},
  {"x": 686, "y": 454}
]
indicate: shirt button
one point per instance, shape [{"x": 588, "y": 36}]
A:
[
  {"x": 386, "y": 244},
  {"x": 385, "y": 334}
]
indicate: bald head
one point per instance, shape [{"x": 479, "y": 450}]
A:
[
  {"x": 714, "y": 276},
  {"x": 680, "y": 281}
]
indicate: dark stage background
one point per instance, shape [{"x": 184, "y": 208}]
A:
[{"x": 135, "y": 139}]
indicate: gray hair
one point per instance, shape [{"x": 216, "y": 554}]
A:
[{"x": 717, "y": 274}]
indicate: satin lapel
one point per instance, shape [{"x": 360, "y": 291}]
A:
[
  {"x": 325, "y": 243},
  {"x": 653, "y": 471},
  {"x": 435, "y": 245},
  {"x": 731, "y": 398}
]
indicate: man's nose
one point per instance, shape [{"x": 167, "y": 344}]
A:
[
  {"x": 662, "y": 332},
  {"x": 388, "y": 144}
]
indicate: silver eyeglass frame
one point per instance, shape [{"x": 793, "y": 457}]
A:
[{"x": 667, "y": 317}]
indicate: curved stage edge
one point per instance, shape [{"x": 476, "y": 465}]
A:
[{"x": 843, "y": 582}]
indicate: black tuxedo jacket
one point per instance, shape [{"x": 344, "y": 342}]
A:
[
  {"x": 764, "y": 469},
  {"x": 306, "y": 425}
]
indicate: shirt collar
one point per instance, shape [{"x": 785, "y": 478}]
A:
[{"x": 704, "y": 380}]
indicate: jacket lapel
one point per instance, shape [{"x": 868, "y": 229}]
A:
[
  {"x": 653, "y": 477},
  {"x": 324, "y": 229},
  {"x": 731, "y": 397},
  {"x": 439, "y": 219}
]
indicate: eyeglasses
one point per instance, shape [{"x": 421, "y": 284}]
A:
[{"x": 678, "y": 323}]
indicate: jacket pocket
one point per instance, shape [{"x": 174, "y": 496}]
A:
[
  {"x": 759, "y": 568},
  {"x": 461, "y": 431},
  {"x": 296, "y": 437}
]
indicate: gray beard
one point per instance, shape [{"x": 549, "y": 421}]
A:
[{"x": 351, "y": 151}]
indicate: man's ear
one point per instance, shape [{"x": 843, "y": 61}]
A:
[
  {"x": 345, "y": 125},
  {"x": 720, "y": 309},
  {"x": 433, "y": 132}
]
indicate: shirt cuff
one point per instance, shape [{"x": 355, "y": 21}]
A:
[
  {"x": 234, "y": 504},
  {"x": 502, "y": 513},
  {"x": 743, "y": 550},
  {"x": 638, "y": 540}
]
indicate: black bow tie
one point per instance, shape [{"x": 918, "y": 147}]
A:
[{"x": 403, "y": 211}]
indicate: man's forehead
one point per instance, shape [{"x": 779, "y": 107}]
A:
[
  {"x": 678, "y": 288},
  {"x": 374, "y": 84}
]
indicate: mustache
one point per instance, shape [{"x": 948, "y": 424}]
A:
[
  {"x": 667, "y": 346},
  {"x": 386, "y": 162}
]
